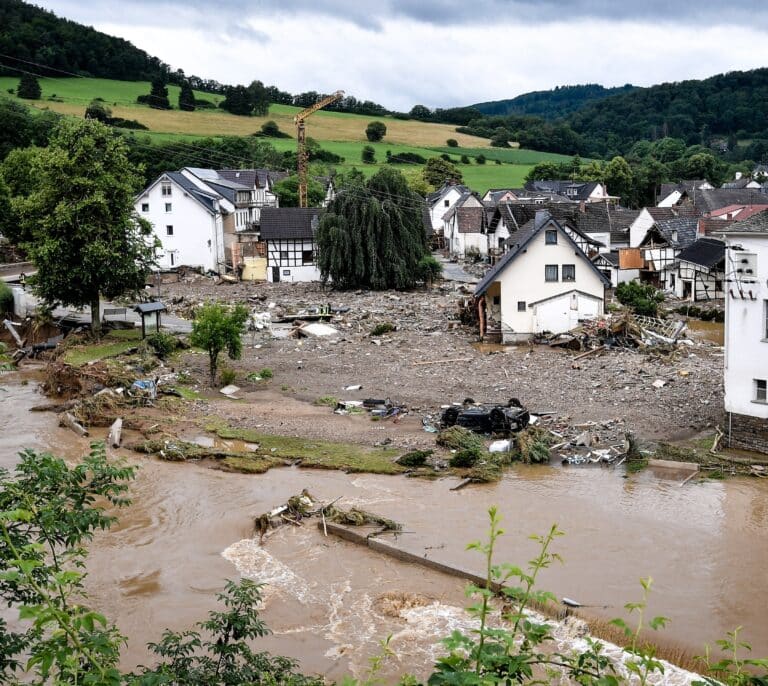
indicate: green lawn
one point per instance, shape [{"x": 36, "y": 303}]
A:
[
  {"x": 82, "y": 91},
  {"x": 510, "y": 155}
]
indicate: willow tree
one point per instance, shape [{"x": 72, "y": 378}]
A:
[{"x": 372, "y": 235}]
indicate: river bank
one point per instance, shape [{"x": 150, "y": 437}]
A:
[{"x": 190, "y": 527}]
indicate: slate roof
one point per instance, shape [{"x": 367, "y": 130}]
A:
[
  {"x": 281, "y": 223},
  {"x": 432, "y": 198},
  {"x": 227, "y": 189},
  {"x": 208, "y": 200},
  {"x": 470, "y": 219},
  {"x": 575, "y": 190},
  {"x": 521, "y": 240},
  {"x": 685, "y": 227},
  {"x": 738, "y": 183},
  {"x": 706, "y": 252},
  {"x": 708, "y": 226},
  {"x": 246, "y": 177},
  {"x": 757, "y": 223},
  {"x": 707, "y": 201},
  {"x": 611, "y": 257},
  {"x": 741, "y": 212}
]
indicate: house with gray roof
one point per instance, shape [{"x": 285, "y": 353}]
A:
[
  {"x": 576, "y": 191},
  {"x": 660, "y": 247},
  {"x": 187, "y": 221},
  {"x": 701, "y": 270},
  {"x": 289, "y": 233},
  {"x": 544, "y": 283}
]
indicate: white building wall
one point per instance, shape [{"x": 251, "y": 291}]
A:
[
  {"x": 639, "y": 228},
  {"x": 198, "y": 235},
  {"x": 746, "y": 346},
  {"x": 289, "y": 270},
  {"x": 523, "y": 281},
  {"x": 437, "y": 211}
]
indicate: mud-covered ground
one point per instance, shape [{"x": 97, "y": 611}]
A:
[{"x": 431, "y": 360}]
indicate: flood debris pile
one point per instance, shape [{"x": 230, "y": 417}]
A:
[
  {"x": 624, "y": 330},
  {"x": 304, "y": 506}
]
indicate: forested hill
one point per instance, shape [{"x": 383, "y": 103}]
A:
[
  {"x": 552, "y": 104},
  {"x": 35, "y": 35},
  {"x": 727, "y": 106}
]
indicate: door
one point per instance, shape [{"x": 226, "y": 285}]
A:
[{"x": 275, "y": 274}]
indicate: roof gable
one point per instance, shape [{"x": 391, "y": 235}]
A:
[{"x": 523, "y": 238}]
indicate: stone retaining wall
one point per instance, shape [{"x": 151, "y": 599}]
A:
[{"x": 748, "y": 433}]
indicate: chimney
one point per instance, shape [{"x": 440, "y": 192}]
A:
[{"x": 738, "y": 175}]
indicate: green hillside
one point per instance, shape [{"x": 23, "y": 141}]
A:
[{"x": 337, "y": 132}]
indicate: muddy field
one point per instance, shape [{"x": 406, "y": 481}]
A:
[{"x": 431, "y": 360}]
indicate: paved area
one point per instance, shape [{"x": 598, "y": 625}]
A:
[{"x": 453, "y": 271}]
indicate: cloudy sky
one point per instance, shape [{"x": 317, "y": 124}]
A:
[{"x": 440, "y": 53}]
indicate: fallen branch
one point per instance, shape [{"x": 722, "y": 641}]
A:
[
  {"x": 70, "y": 422},
  {"x": 589, "y": 352}
]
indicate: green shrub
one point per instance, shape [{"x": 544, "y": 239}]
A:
[
  {"x": 643, "y": 299},
  {"x": 263, "y": 375},
  {"x": 266, "y": 373},
  {"x": 327, "y": 400},
  {"x": 459, "y": 438},
  {"x": 452, "y": 143},
  {"x": 228, "y": 376},
  {"x": 6, "y": 299},
  {"x": 415, "y": 458},
  {"x": 428, "y": 269},
  {"x": 464, "y": 159},
  {"x": 383, "y": 328},
  {"x": 162, "y": 343},
  {"x": 480, "y": 159},
  {"x": 467, "y": 457}
]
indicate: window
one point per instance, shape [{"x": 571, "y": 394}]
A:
[
  {"x": 171, "y": 256},
  {"x": 550, "y": 237},
  {"x": 446, "y": 203},
  {"x": 168, "y": 207},
  {"x": 497, "y": 300},
  {"x": 166, "y": 190},
  {"x": 761, "y": 391},
  {"x": 550, "y": 272},
  {"x": 765, "y": 320},
  {"x": 145, "y": 207},
  {"x": 283, "y": 255},
  {"x": 286, "y": 272},
  {"x": 521, "y": 305},
  {"x": 307, "y": 257},
  {"x": 168, "y": 230},
  {"x": 569, "y": 272}
]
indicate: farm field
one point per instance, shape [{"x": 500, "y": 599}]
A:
[{"x": 338, "y": 132}]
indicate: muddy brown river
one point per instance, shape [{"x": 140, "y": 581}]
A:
[{"x": 189, "y": 528}]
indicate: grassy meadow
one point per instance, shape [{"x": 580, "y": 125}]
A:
[{"x": 341, "y": 133}]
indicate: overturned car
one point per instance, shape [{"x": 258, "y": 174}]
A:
[{"x": 487, "y": 419}]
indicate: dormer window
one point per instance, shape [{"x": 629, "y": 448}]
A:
[{"x": 166, "y": 189}]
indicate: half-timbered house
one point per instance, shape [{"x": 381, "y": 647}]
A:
[{"x": 289, "y": 233}]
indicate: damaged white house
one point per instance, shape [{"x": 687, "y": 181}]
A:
[
  {"x": 289, "y": 233},
  {"x": 544, "y": 283}
]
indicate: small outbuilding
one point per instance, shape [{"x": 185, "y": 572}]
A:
[{"x": 146, "y": 310}]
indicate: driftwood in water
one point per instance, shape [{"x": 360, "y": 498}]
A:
[
  {"x": 68, "y": 420},
  {"x": 116, "y": 433},
  {"x": 54, "y": 407}
]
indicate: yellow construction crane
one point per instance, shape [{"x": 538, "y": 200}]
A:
[{"x": 301, "y": 140}]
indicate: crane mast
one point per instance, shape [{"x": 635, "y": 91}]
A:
[{"x": 301, "y": 140}]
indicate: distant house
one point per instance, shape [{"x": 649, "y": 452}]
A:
[
  {"x": 746, "y": 333},
  {"x": 760, "y": 172},
  {"x": 742, "y": 182},
  {"x": 648, "y": 216},
  {"x": 289, "y": 233},
  {"x": 670, "y": 193},
  {"x": 464, "y": 227},
  {"x": 609, "y": 265},
  {"x": 577, "y": 191},
  {"x": 737, "y": 212},
  {"x": 545, "y": 282},
  {"x": 707, "y": 201},
  {"x": 660, "y": 247},
  {"x": 187, "y": 220},
  {"x": 497, "y": 195},
  {"x": 701, "y": 270},
  {"x": 443, "y": 200}
]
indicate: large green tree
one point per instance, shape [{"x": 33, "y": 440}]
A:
[
  {"x": 29, "y": 87},
  {"x": 78, "y": 220},
  {"x": 437, "y": 171},
  {"x": 287, "y": 191},
  {"x": 186, "y": 97},
  {"x": 372, "y": 235}
]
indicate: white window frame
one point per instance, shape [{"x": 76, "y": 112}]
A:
[
  {"x": 550, "y": 233},
  {"x": 556, "y": 268},
  {"x": 166, "y": 190},
  {"x": 761, "y": 391},
  {"x": 571, "y": 278}
]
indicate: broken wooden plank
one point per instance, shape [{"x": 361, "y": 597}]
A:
[
  {"x": 589, "y": 352},
  {"x": 54, "y": 407},
  {"x": 688, "y": 478},
  {"x": 463, "y": 484},
  {"x": 672, "y": 464},
  {"x": 450, "y": 360},
  {"x": 115, "y": 433},
  {"x": 12, "y": 329},
  {"x": 68, "y": 419}
]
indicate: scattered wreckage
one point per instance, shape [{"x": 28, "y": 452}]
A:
[{"x": 487, "y": 418}]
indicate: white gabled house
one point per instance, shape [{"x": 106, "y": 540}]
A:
[
  {"x": 701, "y": 270},
  {"x": 545, "y": 283},
  {"x": 187, "y": 220},
  {"x": 746, "y": 333},
  {"x": 443, "y": 200},
  {"x": 464, "y": 227},
  {"x": 291, "y": 248}
]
